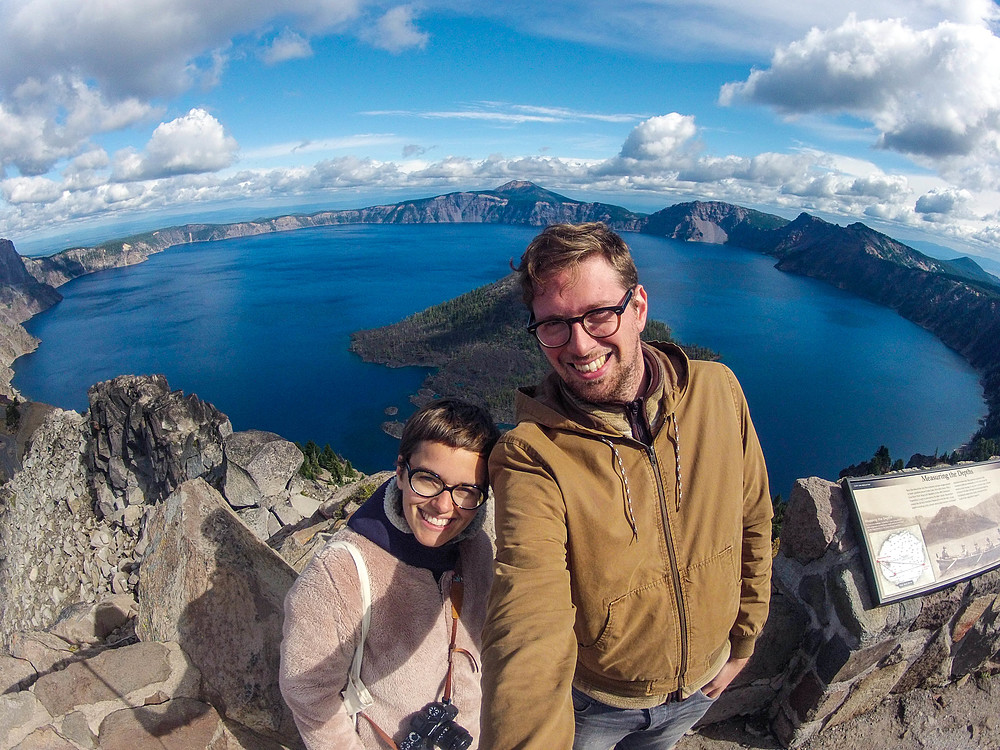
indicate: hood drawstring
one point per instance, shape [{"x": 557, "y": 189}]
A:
[
  {"x": 677, "y": 457},
  {"x": 629, "y": 515},
  {"x": 679, "y": 491}
]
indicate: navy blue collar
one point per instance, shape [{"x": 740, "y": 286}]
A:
[{"x": 371, "y": 521}]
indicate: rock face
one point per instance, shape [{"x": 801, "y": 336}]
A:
[
  {"x": 53, "y": 550},
  {"x": 146, "y": 440},
  {"x": 852, "y": 654},
  {"x": 78, "y": 510},
  {"x": 209, "y": 584},
  {"x": 21, "y": 296},
  {"x": 110, "y": 692}
]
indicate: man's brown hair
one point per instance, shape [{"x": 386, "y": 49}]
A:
[{"x": 565, "y": 246}]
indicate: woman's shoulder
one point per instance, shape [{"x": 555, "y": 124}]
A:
[{"x": 336, "y": 556}]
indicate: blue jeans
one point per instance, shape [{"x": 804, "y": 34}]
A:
[{"x": 601, "y": 727}]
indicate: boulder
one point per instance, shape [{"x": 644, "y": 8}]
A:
[
  {"x": 816, "y": 515},
  {"x": 268, "y": 460},
  {"x": 87, "y": 623},
  {"x": 210, "y": 584},
  {"x": 15, "y": 674}
]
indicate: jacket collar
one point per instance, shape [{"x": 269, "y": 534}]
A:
[{"x": 552, "y": 405}]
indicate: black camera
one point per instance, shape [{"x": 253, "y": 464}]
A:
[{"x": 434, "y": 726}]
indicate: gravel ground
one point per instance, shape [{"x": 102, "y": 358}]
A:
[{"x": 961, "y": 716}]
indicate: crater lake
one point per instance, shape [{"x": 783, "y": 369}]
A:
[{"x": 260, "y": 327}]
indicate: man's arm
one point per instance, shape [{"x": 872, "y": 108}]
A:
[
  {"x": 755, "y": 596},
  {"x": 529, "y": 648}
]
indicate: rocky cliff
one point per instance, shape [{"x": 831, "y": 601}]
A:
[
  {"x": 713, "y": 222},
  {"x": 957, "y": 301},
  {"x": 516, "y": 202},
  {"x": 21, "y": 296},
  {"x": 954, "y": 303}
]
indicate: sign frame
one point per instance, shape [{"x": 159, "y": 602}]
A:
[{"x": 926, "y": 530}]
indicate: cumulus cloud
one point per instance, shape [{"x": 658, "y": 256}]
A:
[
  {"x": 186, "y": 160},
  {"x": 43, "y": 122},
  {"x": 396, "y": 31},
  {"x": 287, "y": 45},
  {"x": 660, "y": 138},
  {"x": 933, "y": 94},
  {"x": 30, "y": 190},
  {"x": 140, "y": 48},
  {"x": 190, "y": 144},
  {"x": 944, "y": 202}
]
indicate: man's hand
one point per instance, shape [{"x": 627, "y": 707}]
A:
[{"x": 721, "y": 681}]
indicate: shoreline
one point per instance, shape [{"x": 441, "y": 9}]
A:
[{"x": 962, "y": 326}]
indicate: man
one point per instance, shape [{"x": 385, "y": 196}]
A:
[{"x": 633, "y": 520}]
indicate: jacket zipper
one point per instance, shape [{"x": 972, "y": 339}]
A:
[{"x": 672, "y": 554}]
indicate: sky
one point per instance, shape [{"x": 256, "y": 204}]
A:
[{"x": 124, "y": 115}]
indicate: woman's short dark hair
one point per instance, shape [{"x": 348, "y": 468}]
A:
[{"x": 452, "y": 422}]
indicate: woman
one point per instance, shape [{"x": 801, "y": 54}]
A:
[{"x": 422, "y": 542}]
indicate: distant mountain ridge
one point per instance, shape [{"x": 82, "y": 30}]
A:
[{"x": 956, "y": 300}]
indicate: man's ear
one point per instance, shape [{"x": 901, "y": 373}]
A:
[{"x": 641, "y": 303}]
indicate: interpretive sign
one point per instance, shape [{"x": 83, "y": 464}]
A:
[{"x": 924, "y": 530}]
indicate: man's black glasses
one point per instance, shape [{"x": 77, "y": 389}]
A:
[{"x": 599, "y": 323}]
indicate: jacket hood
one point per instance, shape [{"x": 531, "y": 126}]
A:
[{"x": 550, "y": 405}]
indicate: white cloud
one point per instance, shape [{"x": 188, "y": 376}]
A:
[
  {"x": 43, "y": 122},
  {"x": 287, "y": 45},
  {"x": 508, "y": 113},
  {"x": 660, "y": 138},
  {"x": 945, "y": 202},
  {"x": 717, "y": 29},
  {"x": 190, "y": 144},
  {"x": 396, "y": 31},
  {"x": 933, "y": 94},
  {"x": 143, "y": 48},
  {"x": 30, "y": 190}
]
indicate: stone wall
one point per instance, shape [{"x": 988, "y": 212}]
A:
[{"x": 828, "y": 653}]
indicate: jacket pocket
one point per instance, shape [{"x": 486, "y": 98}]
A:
[
  {"x": 639, "y": 639},
  {"x": 713, "y": 601}
]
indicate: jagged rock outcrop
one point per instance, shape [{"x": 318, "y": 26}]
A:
[
  {"x": 146, "y": 440},
  {"x": 77, "y": 511}
]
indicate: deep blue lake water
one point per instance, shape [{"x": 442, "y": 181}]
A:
[{"x": 260, "y": 327}]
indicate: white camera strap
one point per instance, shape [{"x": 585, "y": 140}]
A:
[{"x": 356, "y": 695}]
